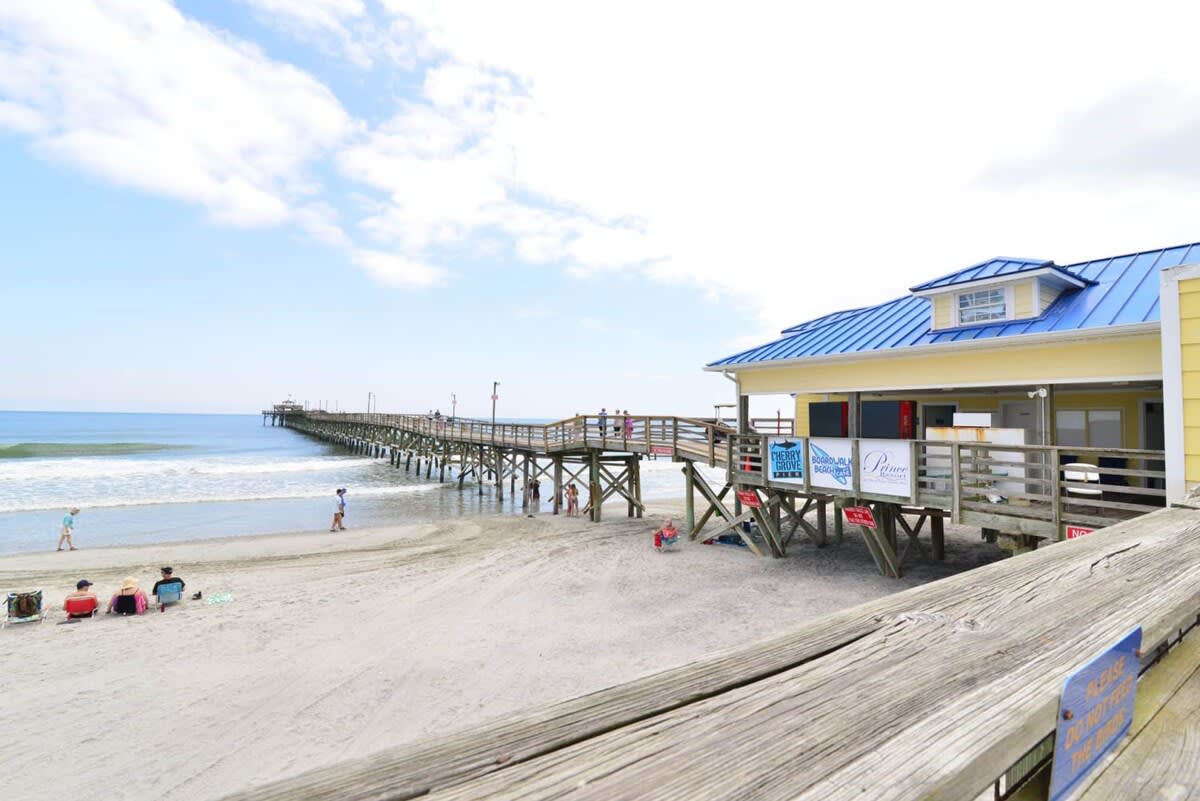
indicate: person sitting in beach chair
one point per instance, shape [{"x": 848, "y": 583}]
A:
[
  {"x": 168, "y": 589},
  {"x": 129, "y": 600},
  {"x": 667, "y": 536},
  {"x": 24, "y": 607},
  {"x": 81, "y": 603}
]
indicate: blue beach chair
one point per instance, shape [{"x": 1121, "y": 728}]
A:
[
  {"x": 24, "y": 607},
  {"x": 169, "y": 594}
]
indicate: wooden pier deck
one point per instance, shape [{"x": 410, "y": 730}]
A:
[
  {"x": 1015, "y": 492},
  {"x": 932, "y": 693}
]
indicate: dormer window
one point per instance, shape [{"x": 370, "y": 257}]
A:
[{"x": 982, "y": 305}]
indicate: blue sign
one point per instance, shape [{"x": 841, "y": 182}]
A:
[
  {"x": 1094, "y": 712},
  {"x": 787, "y": 460}
]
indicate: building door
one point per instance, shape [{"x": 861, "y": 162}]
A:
[
  {"x": 1022, "y": 414},
  {"x": 1153, "y": 439},
  {"x": 935, "y": 416}
]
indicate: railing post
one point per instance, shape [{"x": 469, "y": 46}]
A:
[
  {"x": 712, "y": 445},
  {"x": 763, "y": 456},
  {"x": 956, "y": 481},
  {"x": 1056, "y": 510}
]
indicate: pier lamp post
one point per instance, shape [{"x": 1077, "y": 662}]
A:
[
  {"x": 369, "y": 396},
  {"x": 494, "y": 396},
  {"x": 453, "y": 405}
]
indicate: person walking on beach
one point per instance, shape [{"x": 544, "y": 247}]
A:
[
  {"x": 535, "y": 497},
  {"x": 572, "y": 500},
  {"x": 68, "y": 528},
  {"x": 339, "y": 511}
]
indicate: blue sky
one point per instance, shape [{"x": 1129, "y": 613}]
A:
[{"x": 209, "y": 206}]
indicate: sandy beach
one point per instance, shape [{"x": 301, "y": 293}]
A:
[{"x": 338, "y": 645}]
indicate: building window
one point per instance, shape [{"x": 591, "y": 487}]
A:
[
  {"x": 982, "y": 305},
  {"x": 1095, "y": 428}
]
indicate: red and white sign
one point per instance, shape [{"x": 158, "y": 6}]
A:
[
  {"x": 749, "y": 498},
  {"x": 1077, "y": 531},
  {"x": 661, "y": 450},
  {"x": 859, "y": 516}
]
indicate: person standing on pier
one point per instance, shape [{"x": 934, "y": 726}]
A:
[
  {"x": 616, "y": 422},
  {"x": 603, "y": 421},
  {"x": 628, "y": 425},
  {"x": 339, "y": 511}
]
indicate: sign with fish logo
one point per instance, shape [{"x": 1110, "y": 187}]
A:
[
  {"x": 829, "y": 463},
  {"x": 785, "y": 460}
]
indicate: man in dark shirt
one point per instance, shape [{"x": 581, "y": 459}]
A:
[{"x": 168, "y": 578}]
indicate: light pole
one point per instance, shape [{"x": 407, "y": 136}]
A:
[
  {"x": 453, "y": 405},
  {"x": 369, "y": 396},
  {"x": 494, "y": 396}
]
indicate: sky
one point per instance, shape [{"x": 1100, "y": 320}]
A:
[{"x": 211, "y": 206}]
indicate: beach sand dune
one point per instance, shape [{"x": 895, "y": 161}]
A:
[{"x": 335, "y": 646}]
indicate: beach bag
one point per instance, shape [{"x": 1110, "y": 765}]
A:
[
  {"x": 25, "y": 605},
  {"x": 658, "y": 539}
]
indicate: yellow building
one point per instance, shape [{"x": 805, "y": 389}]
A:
[{"x": 1070, "y": 362}]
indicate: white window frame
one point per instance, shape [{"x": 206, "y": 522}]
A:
[{"x": 1007, "y": 289}]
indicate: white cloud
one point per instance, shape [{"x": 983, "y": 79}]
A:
[
  {"x": 133, "y": 91},
  {"x": 768, "y": 155},
  {"x": 20, "y": 118},
  {"x": 314, "y": 20},
  {"x": 391, "y": 269}
]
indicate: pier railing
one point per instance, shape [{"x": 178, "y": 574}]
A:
[
  {"x": 1030, "y": 489},
  {"x": 660, "y": 435},
  {"x": 1046, "y": 491}
]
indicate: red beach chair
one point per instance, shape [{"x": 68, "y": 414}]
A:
[{"x": 81, "y": 607}]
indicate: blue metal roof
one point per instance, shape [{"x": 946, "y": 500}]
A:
[
  {"x": 992, "y": 268},
  {"x": 1121, "y": 290}
]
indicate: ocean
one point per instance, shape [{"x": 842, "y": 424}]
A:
[{"x": 144, "y": 478}]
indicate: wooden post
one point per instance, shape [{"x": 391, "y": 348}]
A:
[
  {"x": 822, "y": 528},
  {"x": 689, "y": 498},
  {"x": 558, "y": 484},
  {"x": 525, "y": 483},
  {"x": 937, "y": 535},
  {"x": 408, "y": 462},
  {"x": 1056, "y": 506},
  {"x": 480, "y": 468},
  {"x": 956, "y": 484},
  {"x": 594, "y": 484},
  {"x": 637, "y": 485},
  {"x": 630, "y": 462},
  {"x": 499, "y": 474},
  {"x": 838, "y": 523}
]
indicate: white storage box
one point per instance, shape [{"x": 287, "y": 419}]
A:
[{"x": 973, "y": 419}]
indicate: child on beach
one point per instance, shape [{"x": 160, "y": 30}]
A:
[
  {"x": 68, "y": 528},
  {"x": 666, "y": 536}
]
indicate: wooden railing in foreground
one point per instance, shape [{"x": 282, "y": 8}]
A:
[{"x": 930, "y": 693}]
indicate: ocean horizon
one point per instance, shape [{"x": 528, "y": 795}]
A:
[{"x": 161, "y": 477}]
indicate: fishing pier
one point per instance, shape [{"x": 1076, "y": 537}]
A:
[{"x": 1017, "y": 494}]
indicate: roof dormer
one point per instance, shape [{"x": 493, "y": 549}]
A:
[{"x": 995, "y": 291}]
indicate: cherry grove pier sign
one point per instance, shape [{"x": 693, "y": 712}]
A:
[{"x": 1095, "y": 712}]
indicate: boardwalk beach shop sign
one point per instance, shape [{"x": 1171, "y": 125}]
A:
[
  {"x": 830, "y": 464},
  {"x": 1095, "y": 711}
]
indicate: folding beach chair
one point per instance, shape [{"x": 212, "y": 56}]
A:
[
  {"x": 81, "y": 607},
  {"x": 24, "y": 607},
  {"x": 169, "y": 594}
]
